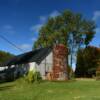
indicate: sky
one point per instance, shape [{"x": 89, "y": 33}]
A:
[{"x": 20, "y": 20}]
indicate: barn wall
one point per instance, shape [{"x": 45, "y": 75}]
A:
[
  {"x": 3, "y": 68},
  {"x": 45, "y": 66},
  {"x": 32, "y": 66},
  {"x": 54, "y": 66}
]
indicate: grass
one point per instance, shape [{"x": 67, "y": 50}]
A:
[{"x": 75, "y": 90}]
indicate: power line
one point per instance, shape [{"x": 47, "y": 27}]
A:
[{"x": 11, "y": 43}]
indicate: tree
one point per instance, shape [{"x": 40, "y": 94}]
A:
[
  {"x": 68, "y": 28},
  {"x": 4, "y": 56},
  {"x": 87, "y": 61}
]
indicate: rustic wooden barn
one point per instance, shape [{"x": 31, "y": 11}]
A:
[{"x": 50, "y": 62}]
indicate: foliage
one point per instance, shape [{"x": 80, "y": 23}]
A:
[
  {"x": 30, "y": 77},
  {"x": 37, "y": 76},
  {"x": 87, "y": 61},
  {"x": 33, "y": 76},
  {"x": 98, "y": 73},
  {"x": 67, "y": 28},
  {"x": 4, "y": 56}
]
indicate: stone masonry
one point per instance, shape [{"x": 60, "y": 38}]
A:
[{"x": 60, "y": 62}]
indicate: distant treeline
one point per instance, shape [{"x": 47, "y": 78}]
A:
[
  {"x": 88, "y": 61},
  {"x": 4, "y": 56}
]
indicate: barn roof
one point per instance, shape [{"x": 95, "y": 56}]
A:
[{"x": 36, "y": 55}]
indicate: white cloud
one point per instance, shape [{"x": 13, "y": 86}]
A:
[
  {"x": 96, "y": 39},
  {"x": 8, "y": 29},
  {"x": 34, "y": 39},
  {"x": 36, "y": 28},
  {"x": 54, "y": 14},
  {"x": 96, "y": 15},
  {"x": 25, "y": 46},
  {"x": 42, "y": 21},
  {"x": 97, "y": 30}
]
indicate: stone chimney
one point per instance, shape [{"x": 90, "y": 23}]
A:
[{"x": 60, "y": 53}]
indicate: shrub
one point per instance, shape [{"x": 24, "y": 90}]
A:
[
  {"x": 33, "y": 77},
  {"x": 91, "y": 72},
  {"x": 98, "y": 73},
  {"x": 30, "y": 77},
  {"x": 87, "y": 62},
  {"x": 37, "y": 76}
]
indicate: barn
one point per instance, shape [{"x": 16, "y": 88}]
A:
[{"x": 50, "y": 62}]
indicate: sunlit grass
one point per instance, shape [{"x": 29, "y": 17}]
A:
[{"x": 71, "y": 90}]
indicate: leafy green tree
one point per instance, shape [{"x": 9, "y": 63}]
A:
[
  {"x": 67, "y": 28},
  {"x": 87, "y": 61}
]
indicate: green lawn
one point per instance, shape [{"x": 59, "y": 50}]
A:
[{"x": 75, "y": 90}]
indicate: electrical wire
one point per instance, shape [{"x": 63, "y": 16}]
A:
[{"x": 5, "y": 39}]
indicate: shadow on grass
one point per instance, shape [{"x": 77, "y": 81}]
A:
[{"x": 7, "y": 87}]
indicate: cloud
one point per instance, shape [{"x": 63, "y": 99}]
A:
[
  {"x": 42, "y": 21},
  {"x": 96, "y": 39},
  {"x": 34, "y": 39},
  {"x": 25, "y": 46},
  {"x": 8, "y": 29},
  {"x": 54, "y": 14},
  {"x": 96, "y": 15},
  {"x": 36, "y": 28},
  {"x": 97, "y": 30}
]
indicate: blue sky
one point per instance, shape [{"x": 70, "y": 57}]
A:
[{"x": 20, "y": 20}]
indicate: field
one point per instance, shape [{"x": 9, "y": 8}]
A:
[{"x": 85, "y": 89}]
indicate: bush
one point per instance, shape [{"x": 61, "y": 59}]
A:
[
  {"x": 37, "y": 76},
  {"x": 87, "y": 62},
  {"x": 98, "y": 75},
  {"x": 91, "y": 72},
  {"x": 30, "y": 77},
  {"x": 33, "y": 77}
]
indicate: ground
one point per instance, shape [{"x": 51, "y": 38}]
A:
[{"x": 81, "y": 89}]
